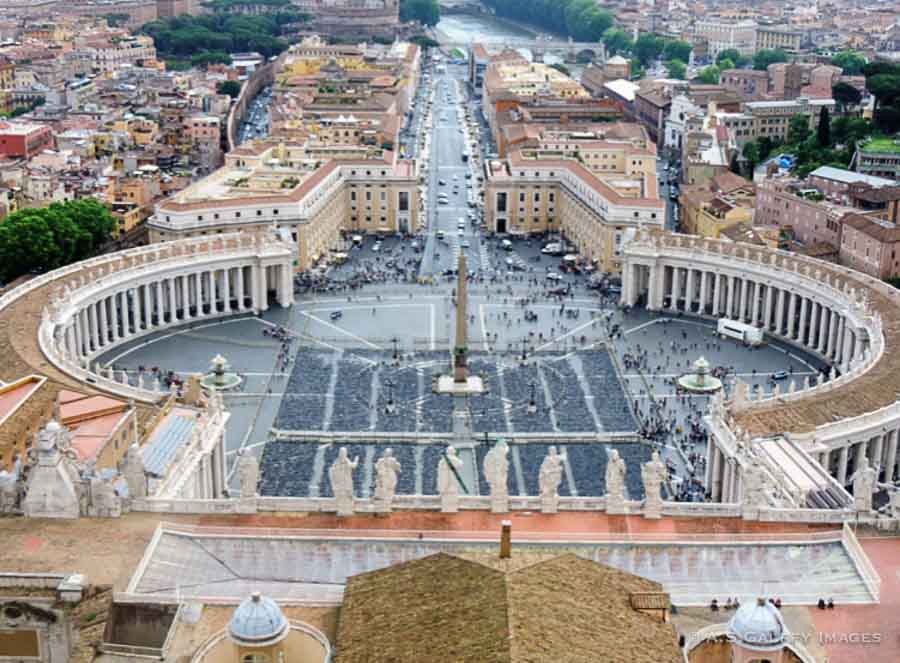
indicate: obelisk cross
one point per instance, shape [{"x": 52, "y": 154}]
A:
[{"x": 460, "y": 367}]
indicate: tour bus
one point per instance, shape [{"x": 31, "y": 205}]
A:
[{"x": 740, "y": 331}]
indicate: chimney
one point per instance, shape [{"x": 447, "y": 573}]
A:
[{"x": 505, "y": 539}]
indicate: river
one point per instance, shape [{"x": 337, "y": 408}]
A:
[
  {"x": 487, "y": 29},
  {"x": 484, "y": 28}
]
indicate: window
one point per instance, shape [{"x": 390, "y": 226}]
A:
[
  {"x": 255, "y": 658},
  {"x": 521, "y": 196},
  {"x": 501, "y": 202},
  {"x": 237, "y": 215},
  {"x": 353, "y": 195},
  {"x": 368, "y": 196},
  {"x": 403, "y": 201},
  {"x": 259, "y": 212}
]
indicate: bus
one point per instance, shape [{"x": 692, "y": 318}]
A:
[{"x": 740, "y": 331}]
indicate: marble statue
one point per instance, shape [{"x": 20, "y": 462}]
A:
[
  {"x": 653, "y": 473},
  {"x": 448, "y": 481},
  {"x": 134, "y": 473},
  {"x": 387, "y": 469},
  {"x": 248, "y": 471},
  {"x": 549, "y": 478},
  {"x": 615, "y": 483},
  {"x": 496, "y": 472},
  {"x": 341, "y": 475},
  {"x": 863, "y": 485}
]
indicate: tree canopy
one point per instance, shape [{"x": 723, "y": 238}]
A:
[
  {"x": 582, "y": 20},
  {"x": 883, "y": 81},
  {"x": 221, "y": 32},
  {"x": 677, "y": 50},
  {"x": 845, "y": 94},
  {"x": 39, "y": 240},
  {"x": 709, "y": 75},
  {"x": 762, "y": 59},
  {"x": 426, "y": 12},
  {"x": 676, "y": 69},
  {"x": 851, "y": 62},
  {"x": 617, "y": 41},
  {"x": 648, "y": 48},
  {"x": 733, "y": 56},
  {"x": 231, "y": 88}
]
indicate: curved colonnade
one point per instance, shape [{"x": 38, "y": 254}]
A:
[
  {"x": 91, "y": 307},
  {"x": 847, "y": 319}
]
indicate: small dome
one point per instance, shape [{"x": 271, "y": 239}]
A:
[
  {"x": 257, "y": 622},
  {"x": 758, "y": 625}
]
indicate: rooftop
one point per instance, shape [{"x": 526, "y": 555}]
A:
[
  {"x": 477, "y": 607},
  {"x": 849, "y": 176},
  {"x": 881, "y": 144}
]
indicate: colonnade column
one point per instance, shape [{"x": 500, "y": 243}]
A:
[
  {"x": 832, "y": 334},
  {"x": 226, "y": 289},
  {"x": 814, "y": 308},
  {"x": 704, "y": 286},
  {"x": 744, "y": 304},
  {"x": 239, "y": 286},
  {"x": 823, "y": 329},
  {"x": 791, "y": 320},
  {"x": 891, "y": 456},
  {"x": 729, "y": 306},
  {"x": 842, "y": 466},
  {"x": 104, "y": 326},
  {"x": 801, "y": 325},
  {"x": 673, "y": 293},
  {"x": 779, "y": 312},
  {"x": 173, "y": 304},
  {"x": 689, "y": 290},
  {"x": 114, "y": 316},
  {"x": 754, "y": 317}
]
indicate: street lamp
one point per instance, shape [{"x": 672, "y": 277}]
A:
[
  {"x": 532, "y": 404},
  {"x": 396, "y": 352}
]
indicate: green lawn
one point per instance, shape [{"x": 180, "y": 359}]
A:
[{"x": 881, "y": 144}]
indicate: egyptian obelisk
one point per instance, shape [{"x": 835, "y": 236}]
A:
[{"x": 460, "y": 366}]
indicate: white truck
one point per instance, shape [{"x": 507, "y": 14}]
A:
[{"x": 740, "y": 331}]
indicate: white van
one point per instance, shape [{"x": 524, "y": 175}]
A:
[
  {"x": 506, "y": 245},
  {"x": 740, "y": 331}
]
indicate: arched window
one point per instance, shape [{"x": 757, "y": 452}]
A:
[{"x": 255, "y": 658}]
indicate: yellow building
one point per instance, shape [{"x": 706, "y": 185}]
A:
[
  {"x": 315, "y": 202},
  {"x": 525, "y": 195}
]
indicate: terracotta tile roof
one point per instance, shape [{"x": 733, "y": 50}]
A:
[
  {"x": 477, "y": 608},
  {"x": 727, "y": 182},
  {"x": 868, "y": 226}
]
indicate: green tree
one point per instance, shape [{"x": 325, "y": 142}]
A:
[
  {"x": 823, "y": 131},
  {"x": 677, "y": 69},
  {"x": 733, "y": 56},
  {"x": 677, "y": 50},
  {"x": 38, "y": 240},
  {"x": 709, "y": 75},
  {"x": 210, "y": 57},
  {"x": 751, "y": 156},
  {"x": 845, "y": 94},
  {"x": 798, "y": 129},
  {"x": 849, "y": 130},
  {"x": 648, "y": 48},
  {"x": 725, "y": 65},
  {"x": 851, "y": 62},
  {"x": 637, "y": 69},
  {"x": 231, "y": 88},
  {"x": 617, "y": 41},
  {"x": 762, "y": 59},
  {"x": 427, "y": 12}
]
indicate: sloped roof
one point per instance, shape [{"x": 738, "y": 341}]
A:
[{"x": 477, "y": 608}]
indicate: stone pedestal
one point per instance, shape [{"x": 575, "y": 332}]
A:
[
  {"x": 499, "y": 503},
  {"x": 550, "y": 504},
  {"x": 653, "y": 507},
  {"x": 344, "y": 506},
  {"x": 449, "y": 503},
  {"x": 615, "y": 506}
]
